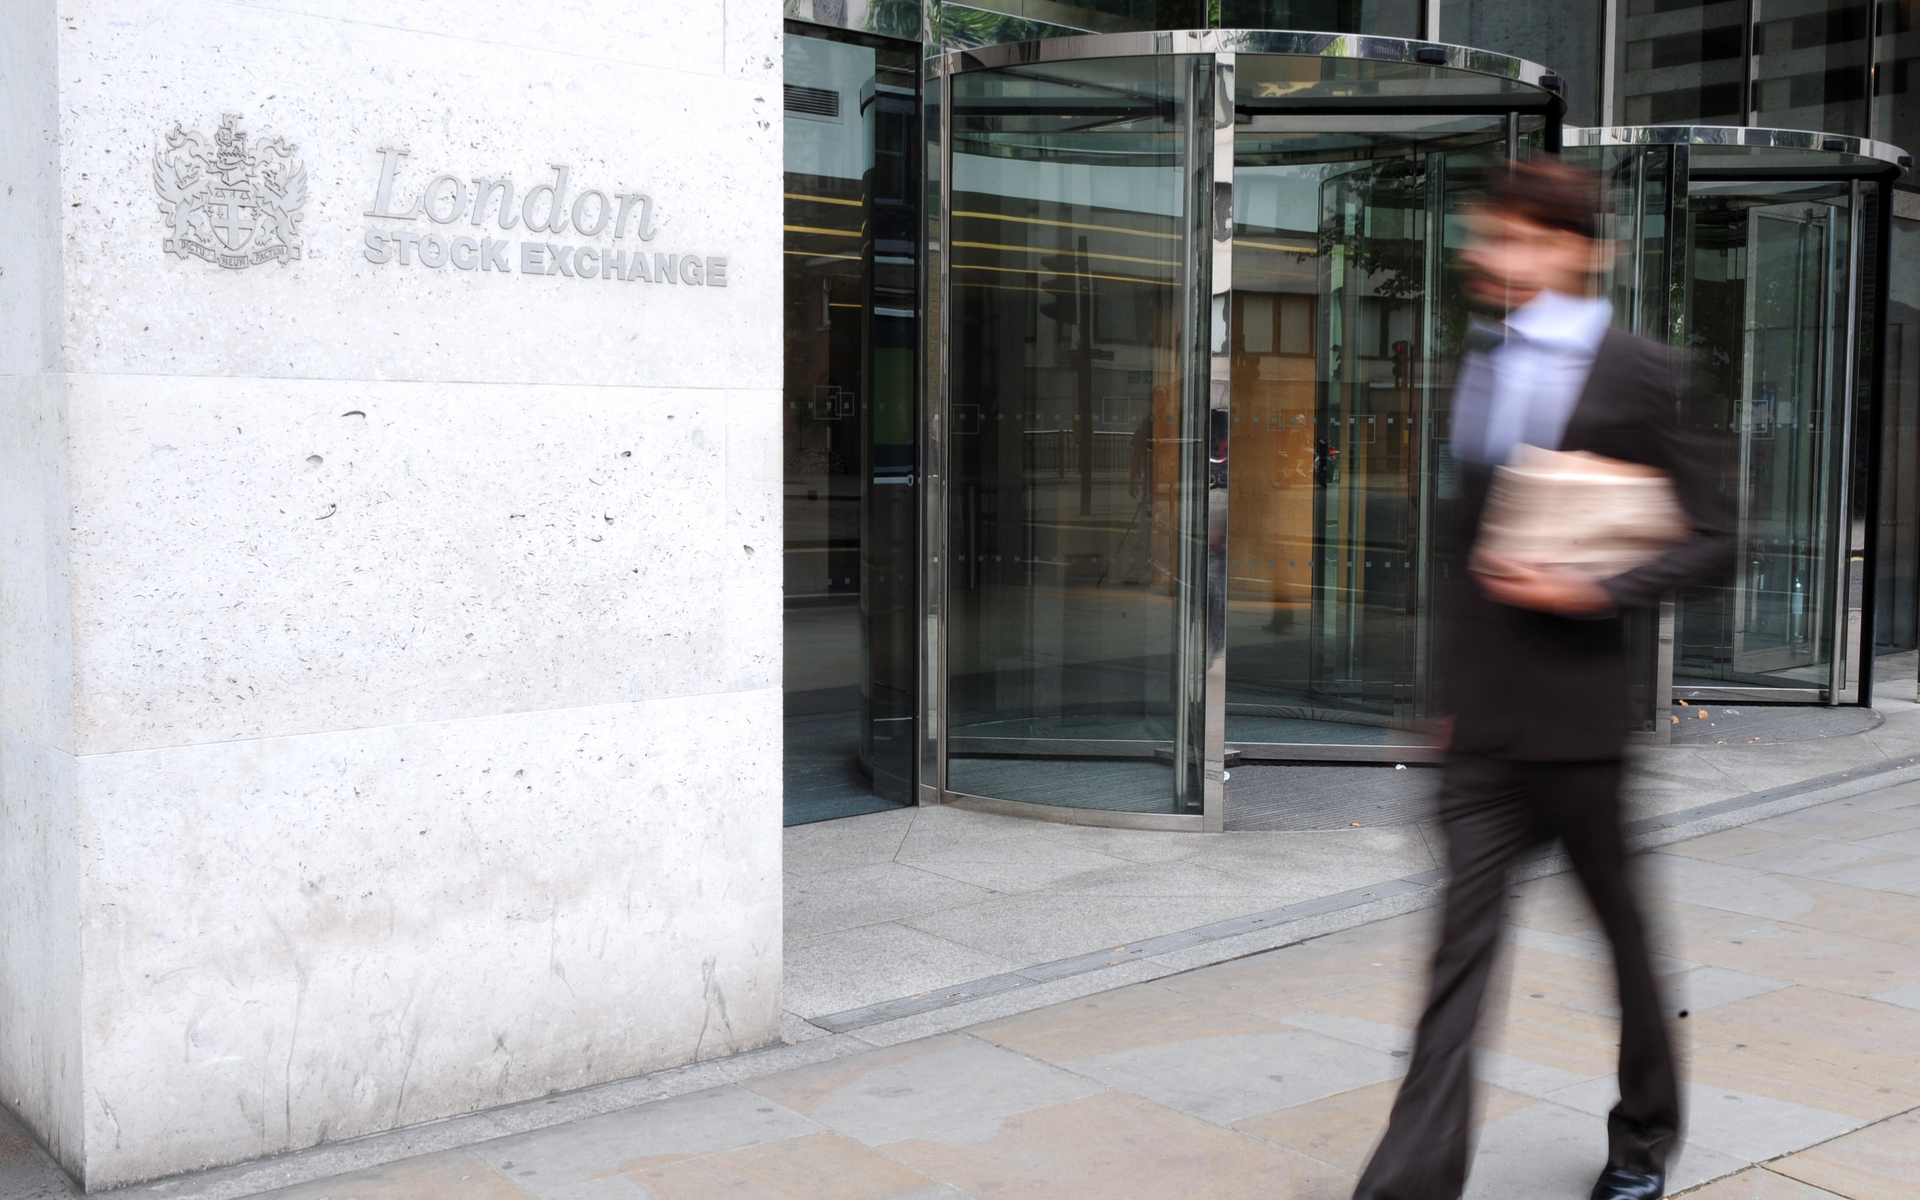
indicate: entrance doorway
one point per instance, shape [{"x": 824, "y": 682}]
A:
[
  {"x": 1342, "y": 328},
  {"x": 1194, "y": 307},
  {"x": 1760, "y": 254}
]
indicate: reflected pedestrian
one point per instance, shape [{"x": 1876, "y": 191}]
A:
[{"x": 1535, "y": 674}]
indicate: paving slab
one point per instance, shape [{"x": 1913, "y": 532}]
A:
[{"x": 1267, "y": 1075}]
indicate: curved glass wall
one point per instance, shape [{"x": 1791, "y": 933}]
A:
[
  {"x": 1342, "y": 306},
  {"x": 1773, "y": 271},
  {"x": 1157, "y": 253},
  {"x": 1075, "y": 479}
]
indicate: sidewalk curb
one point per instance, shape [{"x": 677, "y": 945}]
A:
[{"x": 956, "y": 1008}]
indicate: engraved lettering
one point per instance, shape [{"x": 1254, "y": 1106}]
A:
[
  {"x": 483, "y": 190},
  {"x": 235, "y": 211},
  {"x": 605, "y": 212},
  {"x": 646, "y": 215},
  {"x": 383, "y": 194},
  {"x": 556, "y": 219},
  {"x": 459, "y": 198}
]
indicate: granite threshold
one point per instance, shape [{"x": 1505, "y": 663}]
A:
[{"x": 945, "y": 1010}]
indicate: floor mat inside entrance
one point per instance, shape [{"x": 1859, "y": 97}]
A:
[{"x": 1298, "y": 797}]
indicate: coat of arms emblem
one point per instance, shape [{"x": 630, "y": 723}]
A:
[{"x": 235, "y": 203}]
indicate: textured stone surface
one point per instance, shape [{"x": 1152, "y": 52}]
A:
[
  {"x": 389, "y": 709},
  {"x": 704, "y": 146}
]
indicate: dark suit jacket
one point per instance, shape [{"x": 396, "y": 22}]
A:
[{"x": 1531, "y": 686}]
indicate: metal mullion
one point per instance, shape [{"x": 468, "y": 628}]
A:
[
  {"x": 1843, "y": 482},
  {"x": 1875, "y": 432},
  {"x": 934, "y": 558},
  {"x": 1428, "y": 443},
  {"x": 1220, "y": 407},
  {"x": 1674, "y": 316}
]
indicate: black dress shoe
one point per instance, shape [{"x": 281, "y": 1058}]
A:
[{"x": 1618, "y": 1183}]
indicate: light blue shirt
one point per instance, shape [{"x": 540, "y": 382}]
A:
[{"x": 1524, "y": 386}]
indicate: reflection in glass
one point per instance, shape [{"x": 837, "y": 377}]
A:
[
  {"x": 849, "y": 427},
  {"x": 1342, "y": 311},
  {"x": 1639, "y": 187},
  {"x": 1076, "y": 485},
  {"x": 1682, "y": 62},
  {"x": 1897, "y": 609},
  {"x": 1765, "y": 314},
  {"x": 1274, "y": 83}
]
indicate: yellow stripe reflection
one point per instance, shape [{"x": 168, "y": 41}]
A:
[
  {"x": 824, "y": 199},
  {"x": 1289, "y": 248},
  {"x": 1065, "y": 275},
  {"x": 1152, "y": 262},
  {"x": 984, "y": 216}
]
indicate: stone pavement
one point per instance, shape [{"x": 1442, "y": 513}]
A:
[
  {"x": 1791, "y": 944},
  {"x": 883, "y": 908}
]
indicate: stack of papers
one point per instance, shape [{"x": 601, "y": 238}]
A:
[{"x": 1580, "y": 511}]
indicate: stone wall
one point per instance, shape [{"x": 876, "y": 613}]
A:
[{"x": 391, "y": 699}]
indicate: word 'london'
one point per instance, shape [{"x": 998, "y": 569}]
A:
[{"x": 543, "y": 209}]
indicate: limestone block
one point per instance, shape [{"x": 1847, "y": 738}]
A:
[
  {"x": 704, "y": 149},
  {"x": 291, "y": 940},
  {"x": 261, "y": 558}
]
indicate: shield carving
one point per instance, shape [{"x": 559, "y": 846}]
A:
[
  {"x": 233, "y": 213},
  {"x": 235, "y": 203}
]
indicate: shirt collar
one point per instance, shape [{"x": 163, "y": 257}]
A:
[{"x": 1560, "y": 319}]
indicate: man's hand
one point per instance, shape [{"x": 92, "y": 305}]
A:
[{"x": 1543, "y": 589}]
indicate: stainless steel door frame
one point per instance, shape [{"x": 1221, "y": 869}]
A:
[
  {"x": 1781, "y": 154},
  {"x": 1540, "y": 86},
  {"x": 1219, "y": 443},
  {"x": 1414, "y": 639},
  {"x": 1845, "y": 624}
]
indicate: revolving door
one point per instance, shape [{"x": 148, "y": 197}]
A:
[
  {"x": 1761, "y": 255},
  {"x": 1189, "y": 320}
]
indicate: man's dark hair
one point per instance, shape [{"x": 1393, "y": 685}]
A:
[{"x": 1549, "y": 193}]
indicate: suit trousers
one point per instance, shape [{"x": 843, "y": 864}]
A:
[{"x": 1493, "y": 812}]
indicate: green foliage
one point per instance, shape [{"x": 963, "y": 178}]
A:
[
  {"x": 895, "y": 18},
  {"x": 961, "y": 26}
]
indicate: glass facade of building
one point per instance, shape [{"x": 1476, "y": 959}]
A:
[{"x": 1022, "y": 352}]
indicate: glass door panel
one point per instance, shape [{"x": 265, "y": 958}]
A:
[
  {"x": 1767, "y": 312},
  {"x": 1343, "y": 313},
  {"x": 848, "y": 419},
  {"x": 1076, "y": 490}
]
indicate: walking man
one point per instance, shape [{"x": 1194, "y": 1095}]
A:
[{"x": 1535, "y": 672}]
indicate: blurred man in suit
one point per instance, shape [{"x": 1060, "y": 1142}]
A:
[{"x": 1535, "y": 672}]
